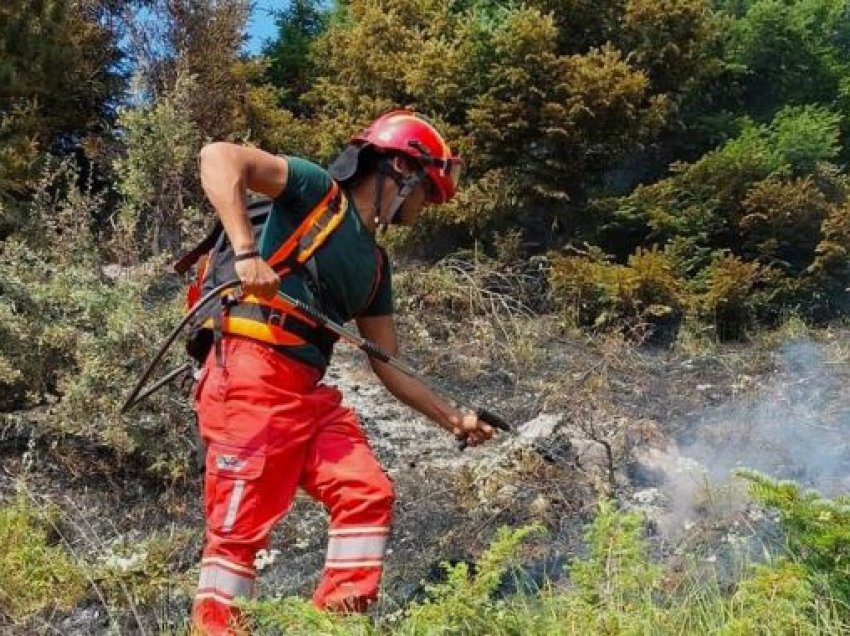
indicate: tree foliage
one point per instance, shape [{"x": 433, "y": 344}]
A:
[
  {"x": 59, "y": 80},
  {"x": 677, "y": 158},
  {"x": 291, "y": 67}
]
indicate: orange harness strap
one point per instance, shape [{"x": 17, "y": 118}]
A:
[
  {"x": 260, "y": 318},
  {"x": 314, "y": 229}
]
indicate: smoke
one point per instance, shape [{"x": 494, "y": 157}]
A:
[{"x": 795, "y": 426}]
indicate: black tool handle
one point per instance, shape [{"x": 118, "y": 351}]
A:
[
  {"x": 493, "y": 420},
  {"x": 488, "y": 417}
]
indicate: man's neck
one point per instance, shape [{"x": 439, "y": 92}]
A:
[{"x": 364, "y": 198}]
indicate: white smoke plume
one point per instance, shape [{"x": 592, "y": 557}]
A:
[{"x": 795, "y": 426}]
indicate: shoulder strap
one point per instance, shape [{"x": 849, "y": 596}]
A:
[
  {"x": 313, "y": 231},
  {"x": 382, "y": 260}
]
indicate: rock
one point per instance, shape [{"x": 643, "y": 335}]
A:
[
  {"x": 88, "y": 620},
  {"x": 649, "y": 497},
  {"x": 541, "y": 426},
  {"x": 540, "y": 507}
]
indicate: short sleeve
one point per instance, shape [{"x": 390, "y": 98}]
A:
[
  {"x": 382, "y": 301},
  {"x": 306, "y": 184}
]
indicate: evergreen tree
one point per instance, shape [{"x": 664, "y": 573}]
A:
[
  {"x": 60, "y": 77},
  {"x": 291, "y": 69}
]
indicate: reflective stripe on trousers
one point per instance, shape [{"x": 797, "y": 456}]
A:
[
  {"x": 357, "y": 547},
  {"x": 233, "y": 505},
  {"x": 223, "y": 580}
]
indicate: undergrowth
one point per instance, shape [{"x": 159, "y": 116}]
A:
[
  {"x": 614, "y": 588},
  {"x": 36, "y": 573},
  {"x": 53, "y": 560}
]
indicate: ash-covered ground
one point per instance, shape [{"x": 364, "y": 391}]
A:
[{"x": 660, "y": 430}]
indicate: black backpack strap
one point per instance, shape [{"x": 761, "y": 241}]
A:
[
  {"x": 313, "y": 275},
  {"x": 188, "y": 260},
  {"x": 257, "y": 208}
]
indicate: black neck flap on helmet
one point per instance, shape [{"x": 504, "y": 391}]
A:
[{"x": 345, "y": 168}]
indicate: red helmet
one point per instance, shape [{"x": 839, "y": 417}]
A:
[{"x": 405, "y": 132}]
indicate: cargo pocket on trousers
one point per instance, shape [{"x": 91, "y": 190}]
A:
[{"x": 231, "y": 499}]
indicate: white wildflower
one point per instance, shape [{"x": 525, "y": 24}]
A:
[
  {"x": 125, "y": 564},
  {"x": 265, "y": 558}
]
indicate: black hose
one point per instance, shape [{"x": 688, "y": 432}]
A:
[{"x": 134, "y": 397}]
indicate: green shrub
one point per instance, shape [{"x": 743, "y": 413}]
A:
[
  {"x": 788, "y": 52},
  {"x": 157, "y": 180},
  {"x": 641, "y": 296},
  {"x": 616, "y": 582},
  {"x": 775, "y": 599},
  {"x": 672, "y": 39},
  {"x": 299, "y": 616},
  {"x": 118, "y": 336},
  {"x": 615, "y": 589},
  {"x": 74, "y": 338},
  {"x": 805, "y": 136},
  {"x": 756, "y": 225},
  {"x": 736, "y": 295},
  {"x": 36, "y": 574},
  {"x": 782, "y": 221},
  {"x": 704, "y": 201},
  {"x": 32, "y": 352},
  {"x": 817, "y": 531},
  {"x": 54, "y": 242},
  {"x": 826, "y": 278},
  {"x": 463, "y": 603},
  {"x": 579, "y": 287}
]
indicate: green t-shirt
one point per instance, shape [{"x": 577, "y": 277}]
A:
[{"x": 354, "y": 273}]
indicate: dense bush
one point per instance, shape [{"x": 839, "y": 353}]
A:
[
  {"x": 155, "y": 178},
  {"x": 73, "y": 339},
  {"x": 817, "y": 531},
  {"x": 645, "y": 296},
  {"x": 737, "y": 294},
  {"x": 752, "y": 227}
]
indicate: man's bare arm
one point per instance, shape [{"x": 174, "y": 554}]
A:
[
  {"x": 381, "y": 330},
  {"x": 228, "y": 171}
]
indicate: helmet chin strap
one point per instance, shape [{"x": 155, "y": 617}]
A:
[{"x": 405, "y": 187}]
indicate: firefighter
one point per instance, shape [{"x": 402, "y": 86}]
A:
[{"x": 268, "y": 422}]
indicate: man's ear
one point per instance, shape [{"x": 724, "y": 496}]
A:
[{"x": 400, "y": 165}]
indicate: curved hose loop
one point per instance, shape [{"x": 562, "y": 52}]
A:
[
  {"x": 134, "y": 396},
  {"x": 369, "y": 348}
]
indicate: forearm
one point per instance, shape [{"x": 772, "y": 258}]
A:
[
  {"x": 224, "y": 184},
  {"x": 416, "y": 395}
]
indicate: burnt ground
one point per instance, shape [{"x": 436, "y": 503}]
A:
[{"x": 655, "y": 428}]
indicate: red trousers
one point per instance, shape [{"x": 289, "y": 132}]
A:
[{"x": 269, "y": 428}]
